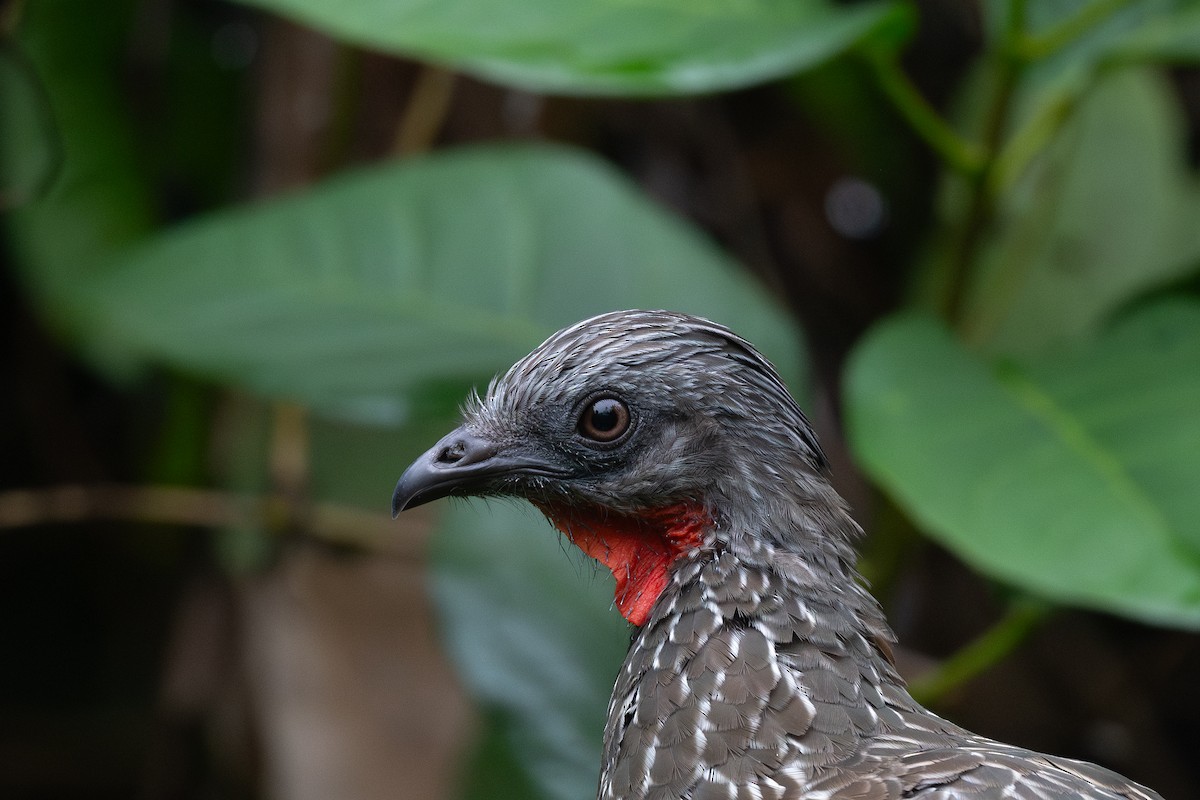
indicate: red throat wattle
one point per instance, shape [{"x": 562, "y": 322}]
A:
[{"x": 639, "y": 550}]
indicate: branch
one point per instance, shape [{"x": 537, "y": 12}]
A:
[{"x": 206, "y": 508}]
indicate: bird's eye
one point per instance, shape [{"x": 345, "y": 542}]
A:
[{"x": 604, "y": 419}]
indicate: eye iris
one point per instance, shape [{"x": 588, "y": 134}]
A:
[{"x": 605, "y": 420}]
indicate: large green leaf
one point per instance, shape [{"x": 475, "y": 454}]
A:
[
  {"x": 441, "y": 270},
  {"x": 1109, "y": 210},
  {"x": 1072, "y": 476},
  {"x": 530, "y": 624},
  {"x": 634, "y": 47}
]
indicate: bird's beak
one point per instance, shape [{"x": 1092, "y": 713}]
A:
[{"x": 462, "y": 463}]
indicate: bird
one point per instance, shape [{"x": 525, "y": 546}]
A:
[{"x": 668, "y": 449}]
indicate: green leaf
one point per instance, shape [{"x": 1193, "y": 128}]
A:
[
  {"x": 1137, "y": 393},
  {"x": 98, "y": 202},
  {"x": 29, "y": 149},
  {"x": 1073, "y": 477},
  {"x": 1168, "y": 38},
  {"x": 1108, "y": 212},
  {"x": 412, "y": 276},
  {"x": 530, "y": 624},
  {"x": 644, "y": 47}
]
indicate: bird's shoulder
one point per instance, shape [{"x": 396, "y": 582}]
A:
[
  {"x": 736, "y": 690},
  {"x": 967, "y": 767}
]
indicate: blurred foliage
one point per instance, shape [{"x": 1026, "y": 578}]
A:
[
  {"x": 536, "y": 638},
  {"x": 968, "y": 443},
  {"x": 1035, "y": 408},
  {"x": 608, "y": 46},
  {"x": 430, "y": 271}
]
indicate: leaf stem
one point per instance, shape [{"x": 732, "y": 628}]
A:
[
  {"x": 1022, "y": 617},
  {"x": 980, "y": 206},
  {"x": 288, "y": 462},
  {"x": 426, "y": 111},
  {"x": 1013, "y": 158},
  {"x": 962, "y": 155},
  {"x": 1036, "y": 46}
]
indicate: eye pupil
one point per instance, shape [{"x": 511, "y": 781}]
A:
[
  {"x": 605, "y": 415},
  {"x": 604, "y": 420}
]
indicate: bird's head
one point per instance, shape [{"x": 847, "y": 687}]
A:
[{"x": 643, "y": 435}]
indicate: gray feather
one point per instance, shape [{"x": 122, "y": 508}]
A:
[{"x": 763, "y": 671}]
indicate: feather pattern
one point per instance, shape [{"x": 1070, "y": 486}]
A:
[
  {"x": 768, "y": 700},
  {"x": 763, "y": 668}
]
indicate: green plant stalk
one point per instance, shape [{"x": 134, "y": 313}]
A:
[
  {"x": 426, "y": 111},
  {"x": 1006, "y": 162},
  {"x": 977, "y": 162},
  {"x": 1028, "y": 234},
  {"x": 1036, "y": 46},
  {"x": 981, "y": 206},
  {"x": 992, "y": 647},
  {"x": 960, "y": 154},
  {"x": 1031, "y": 139}
]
